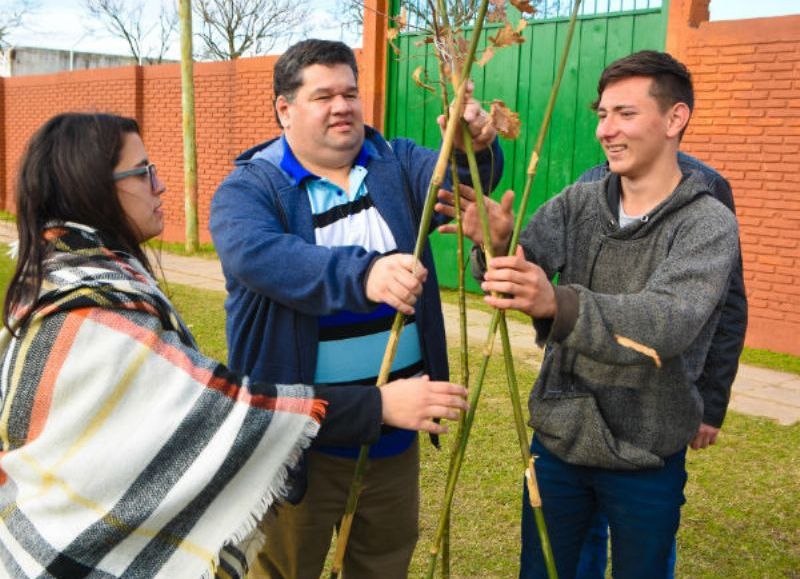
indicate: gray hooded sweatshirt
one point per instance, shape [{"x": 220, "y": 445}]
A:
[{"x": 660, "y": 282}]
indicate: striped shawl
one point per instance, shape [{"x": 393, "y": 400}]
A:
[{"x": 125, "y": 452}]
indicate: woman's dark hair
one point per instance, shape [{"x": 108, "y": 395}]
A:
[{"x": 67, "y": 175}]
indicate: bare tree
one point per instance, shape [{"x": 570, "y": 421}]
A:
[
  {"x": 235, "y": 28},
  {"x": 419, "y": 13},
  {"x": 12, "y": 16},
  {"x": 350, "y": 13},
  {"x": 125, "y": 20},
  {"x": 167, "y": 26}
]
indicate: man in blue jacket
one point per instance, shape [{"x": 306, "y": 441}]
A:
[{"x": 315, "y": 231}]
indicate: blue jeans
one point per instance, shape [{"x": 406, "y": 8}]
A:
[
  {"x": 594, "y": 553},
  {"x": 643, "y": 510}
]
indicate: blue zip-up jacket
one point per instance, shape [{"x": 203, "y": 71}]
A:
[{"x": 279, "y": 281}]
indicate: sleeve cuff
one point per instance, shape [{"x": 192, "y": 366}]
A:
[
  {"x": 353, "y": 415},
  {"x": 715, "y": 421},
  {"x": 369, "y": 271},
  {"x": 566, "y": 313}
]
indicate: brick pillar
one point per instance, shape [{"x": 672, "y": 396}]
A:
[
  {"x": 684, "y": 14},
  {"x": 697, "y": 12},
  {"x": 374, "y": 61}
]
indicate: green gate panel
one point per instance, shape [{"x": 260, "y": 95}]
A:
[{"x": 522, "y": 76}]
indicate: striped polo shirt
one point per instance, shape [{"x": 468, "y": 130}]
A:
[{"x": 351, "y": 345}]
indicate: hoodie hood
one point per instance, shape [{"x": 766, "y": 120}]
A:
[{"x": 691, "y": 187}]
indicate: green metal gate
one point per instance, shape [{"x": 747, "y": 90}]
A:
[{"x": 522, "y": 76}]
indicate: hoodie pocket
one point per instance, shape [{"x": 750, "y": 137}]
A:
[{"x": 572, "y": 427}]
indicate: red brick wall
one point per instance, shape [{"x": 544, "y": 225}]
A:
[
  {"x": 233, "y": 104},
  {"x": 2, "y": 146},
  {"x": 29, "y": 101},
  {"x": 746, "y": 124}
]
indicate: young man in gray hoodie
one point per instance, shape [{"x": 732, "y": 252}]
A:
[{"x": 643, "y": 258}]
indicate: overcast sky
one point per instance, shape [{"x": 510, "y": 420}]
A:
[{"x": 65, "y": 24}]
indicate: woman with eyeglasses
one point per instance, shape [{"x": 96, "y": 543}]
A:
[{"x": 126, "y": 452}]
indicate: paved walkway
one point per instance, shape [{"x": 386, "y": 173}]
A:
[{"x": 756, "y": 391}]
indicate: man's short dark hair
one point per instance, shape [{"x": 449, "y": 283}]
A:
[
  {"x": 672, "y": 82},
  {"x": 288, "y": 74}
]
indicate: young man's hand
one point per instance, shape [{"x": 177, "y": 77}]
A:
[
  {"x": 705, "y": 437},
  {"x": 522, "y": 285},
  {"x": 396, "y": 280},
  {"x": 501, "y": 217}
]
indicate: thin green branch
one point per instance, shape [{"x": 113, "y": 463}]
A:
[
  {"x": 460, "y": 264},
  {"x": 496, "y": 317},
  {"x": 436, "y": 181}
]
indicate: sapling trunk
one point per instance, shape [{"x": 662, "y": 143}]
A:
[
  {"x": 476, "y": 388},
  {"x": 460, "y": 264},
  {"x": 463, "y": 340},
  {"x": 437, "y": 178},
  {"x": 509, "y": 363}
]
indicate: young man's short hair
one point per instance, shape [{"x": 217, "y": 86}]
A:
[{"x": 672, "y": 82}]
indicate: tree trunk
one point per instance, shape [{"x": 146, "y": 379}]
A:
[{"x": 189, "y": 141}]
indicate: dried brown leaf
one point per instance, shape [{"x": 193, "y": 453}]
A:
[
  {"x": 504, "y": 120},
  {"x": 507, "y": 36},
  {"x": 417, "y": 76},
  {"x": 523, "y": 6},
  {"x": 401, "y": 21},
  {"x": 461, "y": 45},
  {"x": 456, "y": 47},
  {"x": 487, "y": 55},
  {"x": 497, "y": 13}
]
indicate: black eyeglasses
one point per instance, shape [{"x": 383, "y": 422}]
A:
[{"x": 149, "y": 170}]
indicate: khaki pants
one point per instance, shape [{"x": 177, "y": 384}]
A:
[{"x": 385, "y": 527}]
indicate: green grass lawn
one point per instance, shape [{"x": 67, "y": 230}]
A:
[
  {"x": 6, "y": 271},
  {"x": 204, "y": 250},
  {"x": 740, "y": 520},
  {"x": 771, "y": 360}
]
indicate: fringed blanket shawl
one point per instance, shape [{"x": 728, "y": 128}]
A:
[{"x": 125, "y": 452}]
